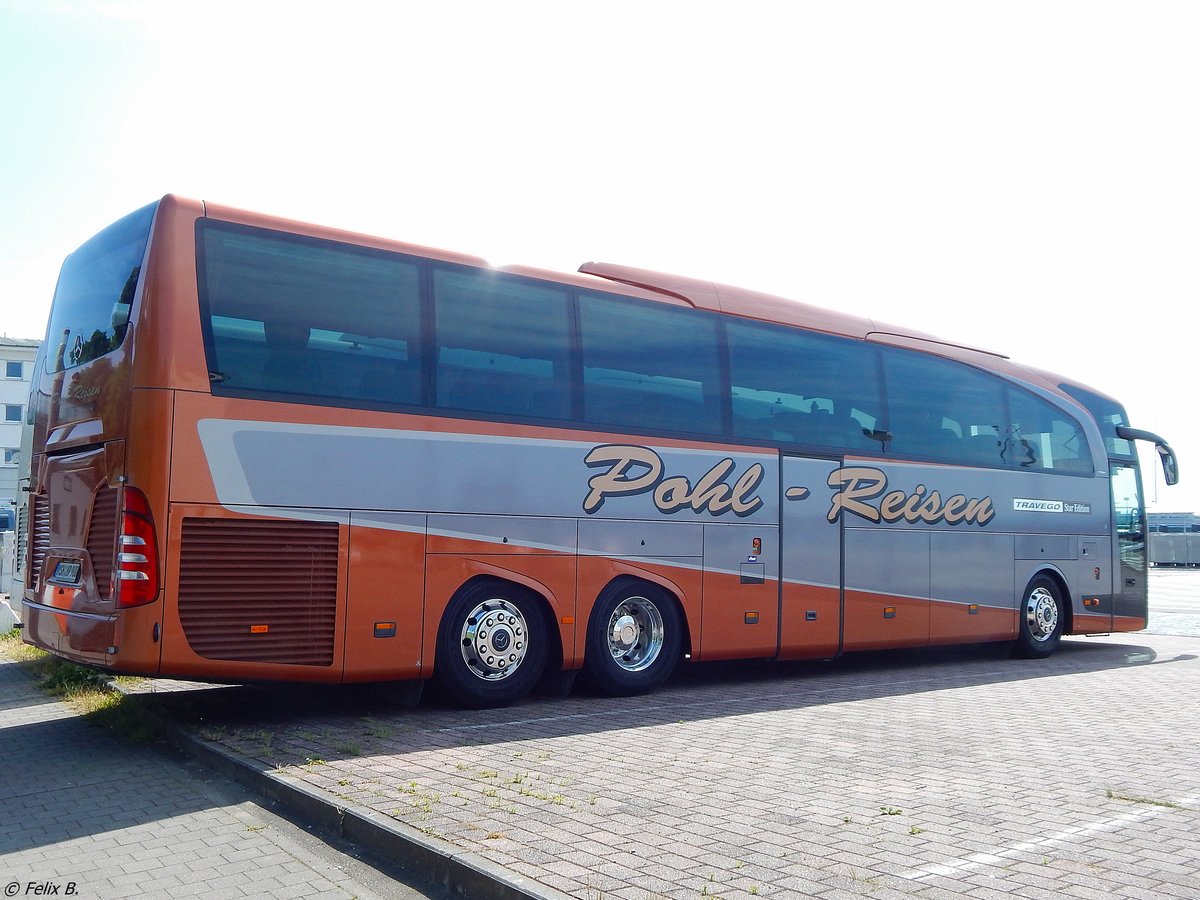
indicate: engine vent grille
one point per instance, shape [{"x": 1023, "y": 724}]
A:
[
  {"x": 102, "y": 538},
  {"x": 39, "y": 538},
  {"x": 259, "y": 590},
  {"x": 22, "y": 536}
]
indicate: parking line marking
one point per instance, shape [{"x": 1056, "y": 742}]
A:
[{"x": 1069, "y": 835}]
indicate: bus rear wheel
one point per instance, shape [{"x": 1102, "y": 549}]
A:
[
  {"x": 634, "y": 639},
  {"x": 492, "y": 645},
  {"x": 1042, "y": 619}
]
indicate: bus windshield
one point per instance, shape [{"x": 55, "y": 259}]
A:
[{"x": 95, "y": 292}]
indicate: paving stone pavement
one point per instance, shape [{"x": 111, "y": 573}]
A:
[
  {"x": 84, "y": 814},
  {"x": 928, "y": 774},
  {"x": 1175, "y": 600}
]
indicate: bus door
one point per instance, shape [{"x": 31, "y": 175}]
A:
[
  {"x": 1129, "y": 521},
  {"x": 811, "y": 564}
]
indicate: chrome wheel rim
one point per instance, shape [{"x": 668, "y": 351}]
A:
[
  {"x": 635, "y": 634},
  {"x": 1041, "y": 614},
  {"x": 494, "y": 640}
]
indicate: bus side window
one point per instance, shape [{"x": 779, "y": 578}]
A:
[
  {"x": 942, "y": 409},
  {"x": 502, "y": 341},
  {"x": 300, "y": 316},
  {"x": 239, "y": 350},
  {"x": 928, "y": 431},
  {"x": 1045, "y": 437},
  {"x": 289, "y": 366},
  {"x": 649, "y": 366},
  {"x": 797, "y": 387},
  {"x": 835, "y": 428},
  {"x": 983, "y": 445},
  {"x": 389, "y": 380}
]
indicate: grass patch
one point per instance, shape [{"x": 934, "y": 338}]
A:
[
  {"x": 378, "y": 729},
  {"x": 69, "y": 681},
  {"x": 89, "y": 692},
  {"x": 13, "y": 648},
  {"x": 1149, "y": 801}
]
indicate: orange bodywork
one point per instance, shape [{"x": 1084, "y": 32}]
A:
[
  {"x": 1128, "y": 623},
  {"x": 142, "y": 405},
  {"x": 957, "y": 623}
]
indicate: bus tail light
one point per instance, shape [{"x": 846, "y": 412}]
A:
[{"x": 137, "y": 552}]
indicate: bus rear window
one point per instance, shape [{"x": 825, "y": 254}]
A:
[{"x": 95, "y": 292}]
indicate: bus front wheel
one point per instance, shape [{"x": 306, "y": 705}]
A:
[
  {"x": 634, "y": 639},
  {"x": 492, "y": 645},
  {"x": 1042, "y": 619}
]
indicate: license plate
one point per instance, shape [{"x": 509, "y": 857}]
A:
[{"x": 68, "y": 572}]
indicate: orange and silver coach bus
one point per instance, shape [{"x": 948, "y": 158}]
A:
[{"x": 265, "y": 450}]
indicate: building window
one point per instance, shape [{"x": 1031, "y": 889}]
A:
[
  {"x": 12, "y": 412},
  {"x": 14, "y": 369},
  {"x": 12, "y": 456}
]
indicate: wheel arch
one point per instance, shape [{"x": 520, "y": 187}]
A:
[
  {"x": 1056, "y": 576},
  {"x": 533, "y": 589},
  {"x": 626, "y": 579}
]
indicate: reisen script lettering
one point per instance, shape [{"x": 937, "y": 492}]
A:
[{"x": 860, "y": 486}]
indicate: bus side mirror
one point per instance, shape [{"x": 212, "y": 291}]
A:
[{"x": 1169, "y": 463}]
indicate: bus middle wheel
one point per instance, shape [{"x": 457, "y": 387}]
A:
[
  {"x": 634, "y": 638},
  {"x": 492, "y": 645}
]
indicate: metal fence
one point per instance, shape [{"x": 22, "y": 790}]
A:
[{"x": 1168, "y": 549}]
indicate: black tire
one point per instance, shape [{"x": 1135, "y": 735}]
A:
[
  {"x": 1041, "y": 619},
  {"x": 492, "y": 645},
  {"x": 634, "y": 638}
]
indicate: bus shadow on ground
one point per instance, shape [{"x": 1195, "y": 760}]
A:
[{"x": 283, "y": 725}]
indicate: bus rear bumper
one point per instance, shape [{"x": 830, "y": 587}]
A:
[{"x": 88, "y": 638}]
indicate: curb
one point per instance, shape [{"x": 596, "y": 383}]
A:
[{"x": 460, "y": 873}]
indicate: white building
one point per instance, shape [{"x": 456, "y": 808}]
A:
[{"x": 16, "y": 375}]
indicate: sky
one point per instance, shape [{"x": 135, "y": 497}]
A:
[{"x": 1019, "y": 176}]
